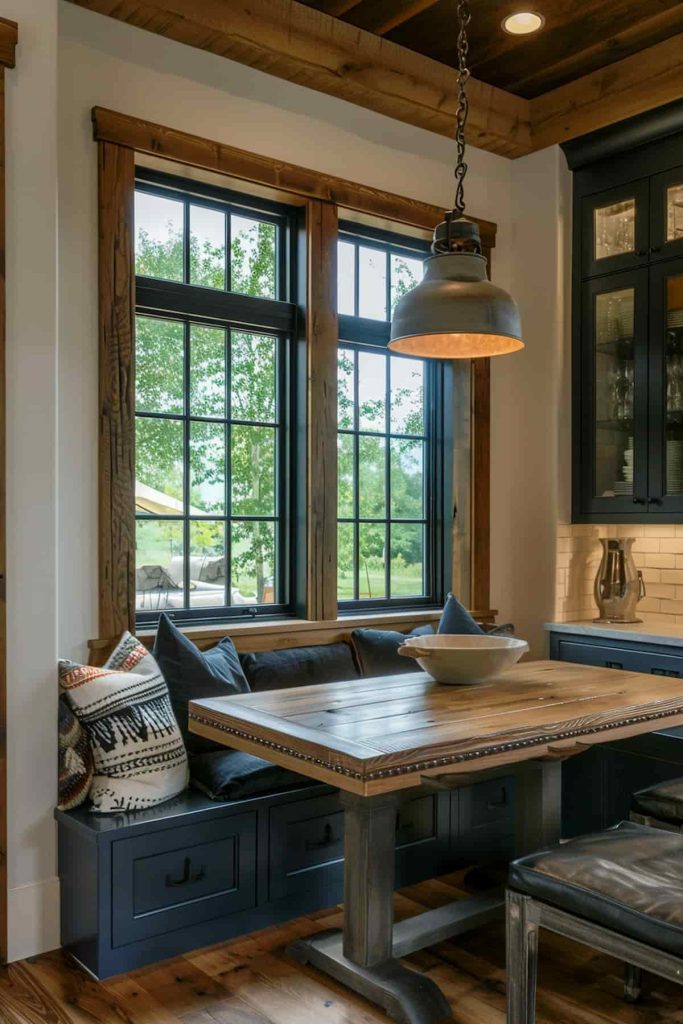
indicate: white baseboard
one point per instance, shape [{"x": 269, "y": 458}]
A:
[{"x": 33, "y": 919}]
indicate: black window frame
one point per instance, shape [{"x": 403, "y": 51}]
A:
[
  {"x": 279, "y": 318},
  {"x": 363, "y": 334}
]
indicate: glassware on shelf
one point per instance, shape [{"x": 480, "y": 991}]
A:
[
  {"x": 674, "y": 212},
  {"x": 615, "y": 229}
]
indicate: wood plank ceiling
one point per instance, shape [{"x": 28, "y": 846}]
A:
[{"x": 578, "y": 37}]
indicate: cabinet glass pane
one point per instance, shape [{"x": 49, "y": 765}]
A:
[
  {"x": 674, "y": 385},
  {"x": 674, "y": 213},
  {"x": 614, "y": 392},
  {"x": 615, "y": 229}
]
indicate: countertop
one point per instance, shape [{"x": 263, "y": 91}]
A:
[{"x": 643, "y": 632}]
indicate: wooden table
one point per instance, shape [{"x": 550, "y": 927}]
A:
[{"x": 374, "y": 737}]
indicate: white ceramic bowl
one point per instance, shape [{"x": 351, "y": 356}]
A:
[{"x": 464, "y": 660}]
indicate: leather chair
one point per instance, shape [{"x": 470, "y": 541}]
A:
[
  {"x": 660, "y": 806},
  {"x": 619, "y": 891}
]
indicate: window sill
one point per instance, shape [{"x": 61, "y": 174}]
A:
[{"x": 264, "y": 636}]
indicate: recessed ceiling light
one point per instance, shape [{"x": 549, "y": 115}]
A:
[{"x": 523, "y": 23}]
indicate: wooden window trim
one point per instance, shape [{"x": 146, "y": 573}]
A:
[
  {"x": 119, "y": 139},
  {"x": 8, "y": 44}
]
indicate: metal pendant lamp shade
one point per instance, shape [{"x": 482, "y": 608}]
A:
[{"x": 456, "y": 313}]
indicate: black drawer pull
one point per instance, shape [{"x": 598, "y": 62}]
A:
[
  {"x": 494, "y": 805},
  {"x": 187, "y": 878},
  {"x": 328, "y": 839},
  {"x": 672, "y": 672},
  {"x": 613, "y": 664}
]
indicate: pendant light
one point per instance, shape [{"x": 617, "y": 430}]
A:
[{"x": 455, "y": 312}]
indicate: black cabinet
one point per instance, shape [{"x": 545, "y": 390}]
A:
[
  {"x": 628, "y": 337},
  {"x": 597, "y": 785}
]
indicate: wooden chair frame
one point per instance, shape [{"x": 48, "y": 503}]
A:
[{"x": 525, "y": 916}]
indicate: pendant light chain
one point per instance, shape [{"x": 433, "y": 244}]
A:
[{"x": 463, "y": 11}]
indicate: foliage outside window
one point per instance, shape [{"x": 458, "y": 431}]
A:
[
  {"x": 213, "y": 335},
  {"x": 390, "y": 411}
]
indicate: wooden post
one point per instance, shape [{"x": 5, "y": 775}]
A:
[{"x": 116, "y": 184}]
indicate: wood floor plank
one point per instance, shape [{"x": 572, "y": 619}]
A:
[{"x": 251, "y": 980}]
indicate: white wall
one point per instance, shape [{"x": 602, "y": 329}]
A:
[
  {"x": 31, "y": 471},
  {"x": 530, "y": 402},
  {"x": 101, "y": 62}
]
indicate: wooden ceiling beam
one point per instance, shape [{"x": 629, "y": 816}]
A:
[
  {"x": 397, "y": 14},
  {"x": 631, "y": 86},
  {"x": 297, "y": 43}
]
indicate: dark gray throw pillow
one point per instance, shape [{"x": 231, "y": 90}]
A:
[
  {"x": 234, "y": 775},
  {"x": 192, "y": 674},
  {"x": 456, "y": 620},
  {"x": 299, "y": 666},
  {"x": 378, "y": 650}
]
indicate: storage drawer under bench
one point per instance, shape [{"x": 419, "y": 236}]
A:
[{"x": 181, "y": 876}]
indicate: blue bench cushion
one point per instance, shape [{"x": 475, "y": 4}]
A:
[
  {"x": 628, "y": 878},
  {"x": 378, "y": 650},
  {"x": 299, "y": 666},
  {"x": 192, "y": 674},
  {"x": 663, "y": 801},
  {"x": 233, "y": 775}
]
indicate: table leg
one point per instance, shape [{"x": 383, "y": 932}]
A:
[
  {"x": 362, "y": 958},
  {"x": 539, "y": 806}
]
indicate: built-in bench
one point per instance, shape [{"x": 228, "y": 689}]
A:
[{"x": 138, "y": 887}]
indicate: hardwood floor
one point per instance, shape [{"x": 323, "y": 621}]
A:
[{"x": 251, "y": 981}]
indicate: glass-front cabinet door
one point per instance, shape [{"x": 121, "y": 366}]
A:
[
  {"x": 665, "y": 489},
  {"x": 614, "y": 419},
  {"x": 666, "y": 214},
  {"x": 615, "y": 228}
]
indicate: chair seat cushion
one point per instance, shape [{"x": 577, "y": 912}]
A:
[
  {"x": 628, "y": 878},
  {"x": 299, "y": 666},
  {"x": 234, "y": 775},
  {"x": 663, "y": 801}
]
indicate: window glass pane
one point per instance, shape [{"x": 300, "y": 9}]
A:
[
  {"x": 158, "y": 237},
  {"x": 253, "y": 471},
  {"x": 345, "y": 561},
  {"x": 253, "y": 563},
  {"x": 207, "y": 247},
  {"x": 407, "y": 479},
  {"x": 207, "y": 564},
  {"x": 372, "y": 283},
  {"x": 407, "y": 396},
  {"x": 345, "y": 473},
  {"x": 407, "y": 560},
  {"x": 372, "y": 385},
  {"x": 159, "y": 571},
  {"x": 406, "y": 272},
  {"x": 345, "y": 388},
  {"x": 159, "y": 466},
  {"x": 207, "y": 371},
  {"x": 207, "y": 468},
  {"x": 253, "y": 263},
  {"x": 159, "y": 365},
  {"x": 253, "y": 358},
  {"x": 371, "y": 568},
  {"x": 673, "y": 349},
  {"x": 372, "y": 477},
  {"x": 346, "y": 278},
  {"x": 674, "y": 212},
  {"x": 615, "y": 229}
]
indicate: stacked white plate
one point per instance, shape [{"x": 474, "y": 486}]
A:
[
  {"x": 674, "y": 466},
  {"x": 625, "y": 486}
]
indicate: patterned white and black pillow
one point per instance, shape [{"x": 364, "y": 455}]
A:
[{"x": 124, "y": 707}]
